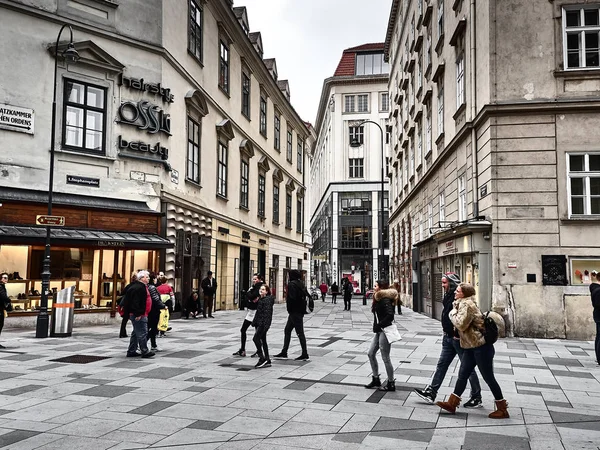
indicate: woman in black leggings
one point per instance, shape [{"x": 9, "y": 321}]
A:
[{"x": 262, "y": 323}]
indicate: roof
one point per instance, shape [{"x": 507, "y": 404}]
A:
[
  {"x": 270, "y": 62},
  {"x": 346, "y": 64},
  {"x": 254, "y": 37}
]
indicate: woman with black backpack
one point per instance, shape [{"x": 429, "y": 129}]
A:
[{"x": 469, "y": 321}]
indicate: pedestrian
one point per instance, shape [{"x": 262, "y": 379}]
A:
[
  {"x": 209, "y": 287},
  {"x": 252, "y": 297},
  {"x": 295, "y": 301},
  {"x": 191, "y": 307},
  {"x": 450, "y": 348},
  {"x": 468, "y": 320},
  {"x": 323, "y": 288},
  {"x": 382, "y": 308},
  {"x": 262, "y": 323},
  {"x": 5, "y": 304},
  {"x": 137, "y": 305},
  {"x": 348, "y": 291},
  {"x": 154, "y": 316},
  {"x": 125, "y": 317},
  {"x": 167, "y": 296},
  {"x": 398, "y": 289},
  {"x": 595, "y": 292},
  {"x": 335, "y": 290}
]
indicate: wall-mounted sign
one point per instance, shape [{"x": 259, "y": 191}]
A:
[
  {"x": 111, "y": 244},
  {"x": 511, "y": 265},
  {"x": 145, "y": 116},
  {"x": 139, "y": 84},
  {"x": 15, "y": 118},
  {"x": 175, "y": 176},
  {"x": 483, "y": 191},
  {"x": 50, "y": 221},
  {"x": 83, "y": 181},
  {"x": 138, "y": 146}
]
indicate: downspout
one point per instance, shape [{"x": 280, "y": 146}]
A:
[{"x": 474, "y": 147}]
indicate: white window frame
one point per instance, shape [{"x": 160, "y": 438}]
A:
[
  {"x": 442, "y": 212},
  {"x": 581, "y": 31},
  {"x": 462, "y": 198},
  {"x": 419, "y": 156},
  {"x": 397, "y": 174},
  {"x": 349, "y": 103},
  {"x": 440, "y": 101},
  {"x": 356, "y": 167},
  {"x": 384, "y": 101},
  {"x": 429, "y": 218},
  {"x": 440, "y": 19},
  {"x": 412, "y": 158},
  {"x": 586, "y": 174},
  {"x": 428, "y": 126},
  {"x": 460, "y": 79},
  {"x": 357, "y": 133},
  {"x": 362, "y": 103}
]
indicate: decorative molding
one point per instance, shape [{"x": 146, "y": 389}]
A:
[
  {"x": 91, "y": 54},
  {"x": 225, "y": 129},
  {"x": 196, "y": 102},
  {"x": 247, "y": 148}
]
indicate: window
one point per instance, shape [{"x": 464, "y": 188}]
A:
[
  {"x": 275, "y": 262},
  {"x": 440, "y": 19},
  {"x": 276, "y": 204},
  {"x": 84, "y": 117},
  {"x": 428, "y": 47},
  {"x": 370, "y": 64},
  {"x": 429, "y": 218},
  {"x": 223, "y": 150},
  {"x": 357, "y": 135},
  {"x": 299, "y": 215},
  {"x": 223, "y": 65},
  {"x": 584, "y": 184},
  {"x": 440, "y": 100},
  {"x": 419, "y": 72},
  {"x": 244, "y": 181},
  {"x": 289, "y": 145},
  {"x": 263, "y": 114},
  {"x": 581, "y": 27},
  {"x": 356, "y": 236},
  {"x": 396, "y": 183},
  {"x": 412, "y": 159},
  {"x": 349, "y": 103},
  {"x": 261, "y": 194},
  {"x": 277, "y": 132},
  {"x": 246, "y": 94},
  {"x": 356, "y": 168},
  {"x": 462, "y": 198},
  {"x": 363, "y": 103},
  {"x": 442, "y": 210},
  {"x": 193, "y": 153},
  {"x": 400, "y": 176},
  {"x": 460, "y": 80},
  {"x": 288, "y": 210},
  {"x": 384, "y": 102},
  {"x": 288, "y": 262},
  {"x": 300, "y": 148},
  {"x": 195, "y": 30},
  {"x": 428, "y": 135},
  {"x": 419, "y": 138},
  {"x": 420, "y": 222}
]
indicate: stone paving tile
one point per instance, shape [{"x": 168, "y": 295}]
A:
[
  {"x": 151, "y": 408},
  {"x": 89, "y": 427},
  {"x": 22, "y": 389},
  {"x": 205, "y": 425},
  {"x": 12, "y": 437},
  {"x": 477, "y": 440},
  {"x": 329, "y": 399}
]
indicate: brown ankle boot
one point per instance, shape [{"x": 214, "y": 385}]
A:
[
  {"x": 501, "y": 410},
  {"x": 451, "y": 404}
]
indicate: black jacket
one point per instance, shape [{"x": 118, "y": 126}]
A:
[
  {"x": 209, "y": 286},
  {"x": 383, "y": 309},
  {"x": 3, "y": 297},
  {"x": 253, "y": 294},
  {"x": 135, "y": 298},
  {"x": 447, "y": 301},
  {"x": 335, "y": 289},
  {"x": 295, "y": 299},
  {"x": 595, "y": 291},
  {"x": 157, "y": 304},
  {"x": 264, "y": 312},
  {"x": 348, "y": 291}
]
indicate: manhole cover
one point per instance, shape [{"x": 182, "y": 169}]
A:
[{"x": 80, "y": 359}]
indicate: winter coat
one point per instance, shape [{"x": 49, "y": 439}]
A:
[
  {"x": 447, "y": 304},
  {"x": 335, "y": 289},
  {"x": 468, "y": 320},
  {"x": 264, "y": 312},
  {"x": 209, "y": 286},
  {"x": 323, "y": 288},
  {"x": 137, "y": 299},
  {"x": 253, "y": 295},
  {"x": 348, "y": 291},
  {"x": 595, "y": 291},
  {"x": 295, "y": 299},
  {"x": 383, "y": 308},
  {"x": 4, "y": 299}
]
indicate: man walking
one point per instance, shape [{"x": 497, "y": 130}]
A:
[
  {"x": 595, "y": 291},
  {"x": 348, "y": 291},
  {"x": 137, "y": 305},
  {"x": 209, "y": 287},
  {"x": 323, "y": 288},
  {"x": 252, "y": 297},
  {"x": 335, "y": 290},
  {"x": 450, "y": 348},
  {"x": 296, "y": 308}
]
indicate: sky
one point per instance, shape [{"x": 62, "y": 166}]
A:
[{"x": 307, "y": 38}]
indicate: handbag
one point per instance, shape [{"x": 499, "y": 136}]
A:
[{"x": 391, "y": 333}]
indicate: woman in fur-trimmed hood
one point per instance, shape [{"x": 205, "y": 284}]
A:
[
  {"x": 383, "y": 316},
  {"x": 468, "y": 320}
]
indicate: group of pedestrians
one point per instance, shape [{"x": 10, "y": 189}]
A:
[{"x": 194, "y": 307}]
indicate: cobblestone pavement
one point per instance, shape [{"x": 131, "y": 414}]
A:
[{"x": 196, "y": 395}]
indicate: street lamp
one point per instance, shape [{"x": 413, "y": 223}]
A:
[
  {"x": 70, "y": 55},
  {"x": 355, "y": 143}
]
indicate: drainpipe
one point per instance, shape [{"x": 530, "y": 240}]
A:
[{"x": 474, "y": 147}]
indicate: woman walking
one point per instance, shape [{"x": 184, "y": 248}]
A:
[
  {"x": 262, "y": 323},
  {"x": 468, "y": 320},
  {"x": 383, "y": 316}
]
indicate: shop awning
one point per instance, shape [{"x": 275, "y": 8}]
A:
[{"x": 19, "y": 235}]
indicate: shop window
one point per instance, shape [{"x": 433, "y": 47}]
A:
[
  {"x": 581, "y": 269},
  {"x": 84, "y": 117}
]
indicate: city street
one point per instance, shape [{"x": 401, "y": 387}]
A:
[{"x": 196, "y": 395}]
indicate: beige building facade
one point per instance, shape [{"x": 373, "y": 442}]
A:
[{"x": 495, "y": 164}]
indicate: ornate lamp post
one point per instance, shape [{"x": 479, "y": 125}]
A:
[{"x": 70, "y": 55}]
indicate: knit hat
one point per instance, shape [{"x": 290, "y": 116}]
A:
[{"x": 453, "y": 279}]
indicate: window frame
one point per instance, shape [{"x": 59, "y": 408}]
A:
[
  {"x": 460, "y": 79},
  {"x": 586, "y": 174},
  {"x": 198, "y": 47},
  {"x": 582, "y": 31},
  {"x": 442, "y": 210},
  {"x": 244, "y": 183},
  {"x": 263, "y": 114},
  {"x": 288, "y": 210},
  {"x": 362, "y": 103},
  {"x": 384, "y": 101},
  {"x": 300, "y": 154},
  {"x": 440, "y": 107},
  {"x": 289, "y": 145},
  {"x": 196, "y": 147},
  {"x": 246, "y": 94},
  {"x": 276, "y": 192},
  {"x": 356, "y": 167},
  {"x": 262, "y": 194},
  {"x": 356, "y": 132},
  {"x": 462, "y": 198},
  {"x": 224, "y": 65},
  {"x": 222, "y": 168},
  {"x": 349, "y": 103},
  {"x": 277, "y": 132},
  {"x": 299, "y": 224}
]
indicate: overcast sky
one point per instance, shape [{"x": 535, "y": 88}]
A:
[{"x": 307, "y": 38}]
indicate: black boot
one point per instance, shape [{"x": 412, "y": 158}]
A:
[
  {"x": 375, "y": 382},
  {"x": 389, "y": 386}
]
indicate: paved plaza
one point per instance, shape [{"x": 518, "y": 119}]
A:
[{"x": 196, "y": 395}]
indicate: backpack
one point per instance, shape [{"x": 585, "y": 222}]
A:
[{"x": 490, "y": 329}]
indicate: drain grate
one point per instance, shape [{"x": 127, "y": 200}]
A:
[{"x": 80, "y": 359}]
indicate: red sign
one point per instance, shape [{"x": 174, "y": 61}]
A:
[{"x": 50, "y": 221}]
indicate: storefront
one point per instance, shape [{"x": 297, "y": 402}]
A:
[{"x": 102, "y": 243}]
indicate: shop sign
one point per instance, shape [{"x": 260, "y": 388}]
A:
[
  {"x": 175, "y": 176},
  {"x": 448, "y": 248},
  {"x": 50, "y": 221},
  {"x": 143, "y": 147},
  {"x": 15, "y": 118},
  {"x": 139, "y": 84},
  {"x": 83, "y": 181},
  {"x": 111, "y": 243},
  {"x": 145, "y": 116}
]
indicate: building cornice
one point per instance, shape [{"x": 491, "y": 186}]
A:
[{"x": 390, "y": 29}]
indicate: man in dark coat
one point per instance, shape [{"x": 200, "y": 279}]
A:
[
  {"x": 138, "y": 304},
  {"x": 450, "y": 348},
  {"x": 348, "y": 290},
  {"x": 4, "y": 300},
  {"x": 209, "y": 287},
  {"x": 595, "y": 291},
  {"x": 296, "y": 307}
]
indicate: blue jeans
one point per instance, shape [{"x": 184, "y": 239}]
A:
[
  {"x": 450, "y": 348},
  {"x": 483, "y": 358},
  {"x": 380, "y": 342},
  {"x": 139, "y": 335}
]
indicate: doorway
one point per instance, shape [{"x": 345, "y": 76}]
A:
[{"x": 244, "y": 274}]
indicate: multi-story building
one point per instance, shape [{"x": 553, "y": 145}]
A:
[
  {"x": 346, "y": 170},
  {"x": 495, "y": 166},
  {"x": 176, "y": 149}
]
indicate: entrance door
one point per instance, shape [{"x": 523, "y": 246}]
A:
[
  {"x": 262, "y": 263},
  {"x": 244, "y": 274}
]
